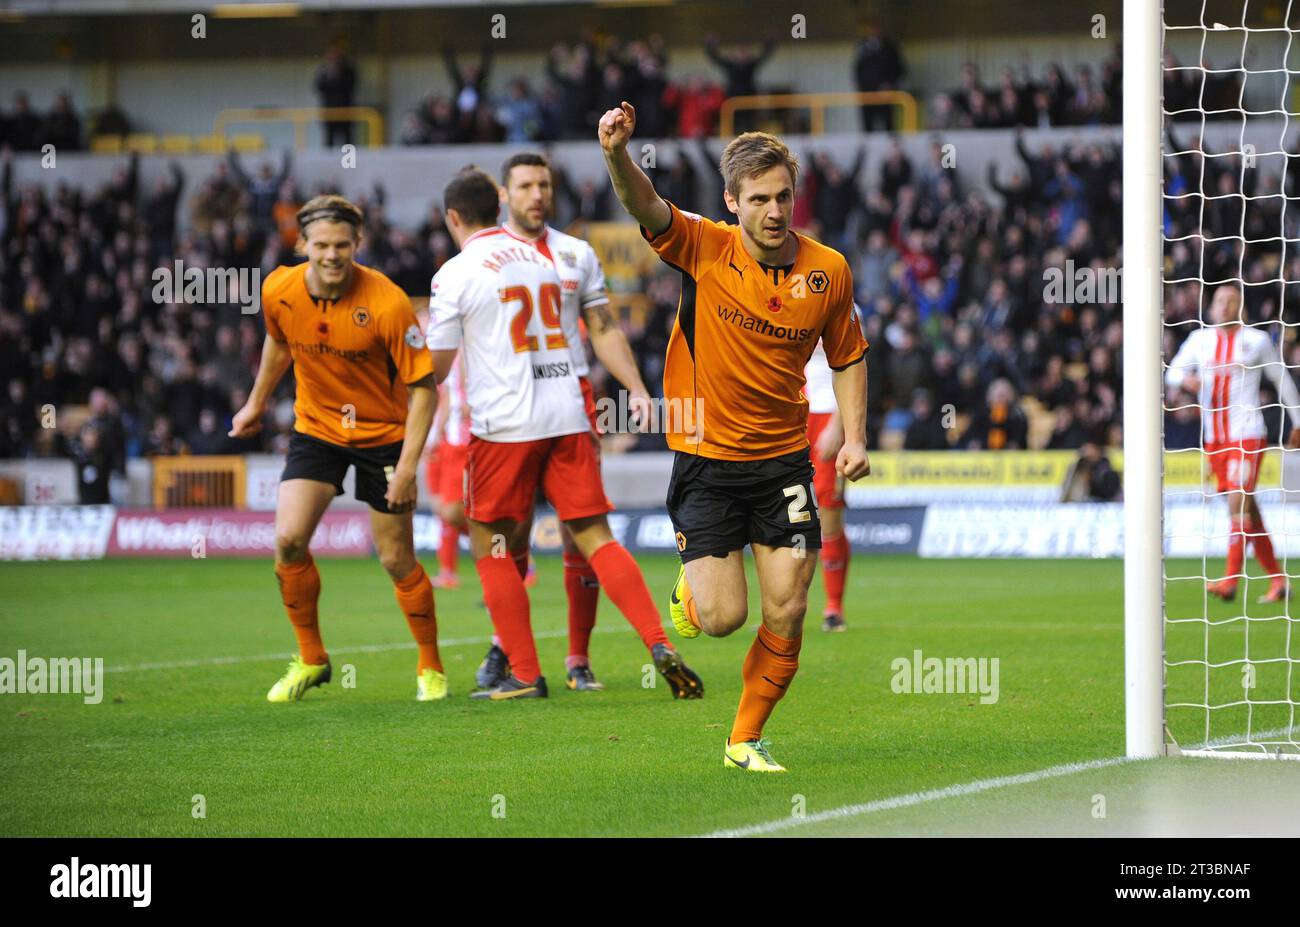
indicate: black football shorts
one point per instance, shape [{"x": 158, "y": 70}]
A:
[
  {"x": 313, "y": 459},
  {"x": 718, "y": 506}
]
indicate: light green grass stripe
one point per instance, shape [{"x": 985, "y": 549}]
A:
[{"x": 357, "y": 648}]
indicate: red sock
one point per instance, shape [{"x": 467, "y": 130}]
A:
[
  {"x": 583, "y": 590},
  {"x": 507, "y": 603},
  {"x": 1263, "y": 545},
  {"x": 449, "y": 548},
  {"x": 621, "y": 578},
  {"x": 1236, "y": 550},
  {"x": 835, "y": 570},
  {"x": 415, "y": 597},
  {"x": 300, "y": 592}
]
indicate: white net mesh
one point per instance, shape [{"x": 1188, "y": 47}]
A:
[{"x": 1231, "y": 222}]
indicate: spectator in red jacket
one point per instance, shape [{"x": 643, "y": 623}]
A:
[{"x": 696, "y": 104}]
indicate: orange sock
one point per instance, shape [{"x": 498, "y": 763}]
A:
[
  {"x": 300, "y": 592},
  {"x": 769, "y": 668},
  {"x": 688, "y": 602},
  {"x": 415, "y": 598}
]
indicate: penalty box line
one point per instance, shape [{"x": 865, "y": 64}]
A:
[{"x": 845, "y": 812}]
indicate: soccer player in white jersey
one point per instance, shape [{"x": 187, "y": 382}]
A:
[
  {"x": 528, "y": 196},
  {"x": 826, "y": 436},
  {"x": 498, "y": 301},
  {"x": 1222, "y": 363}
]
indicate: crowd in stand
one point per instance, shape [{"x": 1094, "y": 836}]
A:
[
  {"x": 966, "y": 350},
  {"x": 950, "y": 282}
]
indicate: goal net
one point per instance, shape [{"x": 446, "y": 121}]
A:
[{"x": 1230, "y": 250}]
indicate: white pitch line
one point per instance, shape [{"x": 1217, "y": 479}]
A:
[
  {"x": 953, "y": 791},
  {"x": 358, "y": 648},
  {"x": 916, "y": 798}
]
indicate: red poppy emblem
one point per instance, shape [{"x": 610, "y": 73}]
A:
[
  {"x": 774, "y": 304},
  {"x": 323, "y": 329}
]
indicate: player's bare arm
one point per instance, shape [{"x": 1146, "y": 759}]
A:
[
  {"x": 850, "y": 386},
  {"x": 612, "y": 349},
  {"x": 275, "y": 362},
  {"x": 631, "y": 185},
  {"x": 442, "y": 361},
  {"x": 402, "y": 488}
]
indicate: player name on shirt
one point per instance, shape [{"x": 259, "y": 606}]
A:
[{"x": 499, "y": 302}]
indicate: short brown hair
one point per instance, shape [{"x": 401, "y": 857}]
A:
[
  {"x": 755, "y": 153},
  {"x": 474, "y": 194},
  {"x": 332, "y": 207},
  {"x": 522, "y": 159}
]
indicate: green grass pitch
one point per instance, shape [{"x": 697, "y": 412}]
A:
[{"x": 192, "y": 646}]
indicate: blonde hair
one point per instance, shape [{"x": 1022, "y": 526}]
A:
[
  {"x": 331, "y": 207},
  {"x": 752, "y": 154}
]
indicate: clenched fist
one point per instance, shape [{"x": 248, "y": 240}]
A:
[
  {"x": 616, "y": 127},
  {"x": 852, "y": 461}
]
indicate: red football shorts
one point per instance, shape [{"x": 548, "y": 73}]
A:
[
  {"x": 503, "y": 478},
  {"x": 828, "y": 484},
  {"x": 1236, "y": 464},
  {"x": 589, "y": 402},
  {"x": 431, "y": 468},
  {"x": 451, "y": 473}
]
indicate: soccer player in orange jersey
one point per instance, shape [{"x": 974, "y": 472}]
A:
[
  {"x": 365, "y": 399},
  {"x": 756, "y": 299}
]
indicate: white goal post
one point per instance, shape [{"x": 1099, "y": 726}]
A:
[{"x": 1181, "y": 658}]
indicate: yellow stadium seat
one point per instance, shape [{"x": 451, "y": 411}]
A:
[
  {"x": 106, "y": 144},
  {"x": 209, "y": 144},
  {"x": 248, "y": 144},
  {"x": 176, "y": 144},
  {"x": 143, "y": 142}
]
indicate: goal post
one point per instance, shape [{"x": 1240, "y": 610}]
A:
[
  {"x": 1212, "y": 669},
  {"x": 1143, "y": 406}
]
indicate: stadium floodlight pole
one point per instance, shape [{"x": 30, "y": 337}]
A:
[{"x": 1143, "y": 374}]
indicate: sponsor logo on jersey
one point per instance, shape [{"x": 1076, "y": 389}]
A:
[
  {"x": 321, "y": 347},
  {"x": 414, "y": 337},
  {"x": 817, "y": 281},
  {"x": 763, "y": 326},
  {"x": 569, "y": 258}
]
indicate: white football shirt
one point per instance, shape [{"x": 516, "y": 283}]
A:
[
  {"x": 581, "y": 280},
  {"x": 499, "y": 302},
  {"x": 1229, "y": 360}
]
